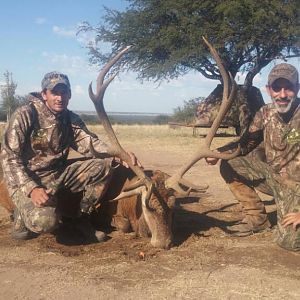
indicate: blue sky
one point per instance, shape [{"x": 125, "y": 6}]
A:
[{"x": 40, "y": 36}]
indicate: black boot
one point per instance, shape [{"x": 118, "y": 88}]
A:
[
  {"x": 81, "y": 230},
  {"x": 90, "y": 234}
]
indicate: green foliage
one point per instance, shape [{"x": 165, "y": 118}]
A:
[
  {"x": 161, "y": 119},
  {"x": 187, "y": 113},
  {"x": 90, "y": 119},
  {"x": 167, "y": 35}
]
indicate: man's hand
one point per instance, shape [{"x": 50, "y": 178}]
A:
[
  {"x": 133, "y": 158},
  {"x": 291, "y": 219},
  {"x": 39, "y": 196}
]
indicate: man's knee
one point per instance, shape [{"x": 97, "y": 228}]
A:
[
  {"x": 290, "y": 244},
  {"x": 227, "y": 172},
  {"x": 241, "y": 168},
  {"x": 41, "y": 220},
  {"x": 98, "y": 163},
  {"x": 97, "y": 170},
  {"x": 288, "y": 238}
]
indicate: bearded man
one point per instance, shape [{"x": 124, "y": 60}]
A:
[{"x": 270, "y": 162}]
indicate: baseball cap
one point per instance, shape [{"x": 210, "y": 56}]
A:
[
  {"x": 285, "y": 71},
  {"x": 51, "y": 79}
]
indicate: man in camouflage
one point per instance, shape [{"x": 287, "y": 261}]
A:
[
  {"x": 35, "y": 161},
  {"x": 270, "y": 162}
]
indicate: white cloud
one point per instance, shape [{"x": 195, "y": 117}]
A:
[
  {"x": 72, "y": 65},
  {"x": 40, "y": 20},
  {"x": 128, "y": 82},
  {"x": 84, "y": 38},
  {"x": 63, "y": 32},
  {"x": 78, "y": 90},
  {"x": 87, "y": 38}
]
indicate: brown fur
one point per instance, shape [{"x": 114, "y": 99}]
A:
[
  {"x": 127, "y": 214},
  {"x": 5, "y": 200}
]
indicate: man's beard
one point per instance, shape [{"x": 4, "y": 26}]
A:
[{"x": 286, "y": 107}]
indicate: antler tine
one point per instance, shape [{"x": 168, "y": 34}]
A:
[
  {"x": 115, "y": 147},
  {"x": 107, "y": 67},
  {"x": 101, "y": 85},
  {"x": 193, "y": 187},
  {"x": 205, "y": 151},
  {"x": 226, "y": 101}
]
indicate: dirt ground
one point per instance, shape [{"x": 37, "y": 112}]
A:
[{"x": 205, "y": 262}]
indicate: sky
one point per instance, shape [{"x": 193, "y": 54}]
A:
[{"x": 40, "y": 36}]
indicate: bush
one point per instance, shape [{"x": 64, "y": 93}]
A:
[
  {"x": 187, "y": 113},
  {"x": 161, "y": 119}
]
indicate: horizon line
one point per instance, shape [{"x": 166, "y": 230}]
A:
[{"x": 92, "y": 112}]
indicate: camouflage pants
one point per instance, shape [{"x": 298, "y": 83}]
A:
[
  {"x": 253, "y": 172},
  {"x": 89, "y": 176}
]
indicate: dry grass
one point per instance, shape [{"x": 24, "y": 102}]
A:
[{"x": 161, "y": 137}]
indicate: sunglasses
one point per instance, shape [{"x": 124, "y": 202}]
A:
[{"x": 277, "y": 87}]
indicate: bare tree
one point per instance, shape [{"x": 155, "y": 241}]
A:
[{"x": 9, "y": 100}]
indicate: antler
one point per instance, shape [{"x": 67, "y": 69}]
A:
[
  {"x": 175, "y": 180},
  {"x": 115, "y": 148}
]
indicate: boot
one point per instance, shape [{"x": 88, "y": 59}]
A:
[
  {"x": 19, "y": 231},
  {"x": 88, "y": 231},
  {"x": 256, "y": 219},
  {"x": 84, "y": 228}
]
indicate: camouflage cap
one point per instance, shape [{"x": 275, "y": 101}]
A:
[
  {"x": 51, "y": 79},
  {"x": 286, "y": 71}
]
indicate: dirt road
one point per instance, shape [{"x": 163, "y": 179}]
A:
[{"x": 204, "y": 264}]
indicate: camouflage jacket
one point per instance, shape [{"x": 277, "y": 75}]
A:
[
  {"x": 281, "y": 140},
  {"x": 36, "y": 144}
]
